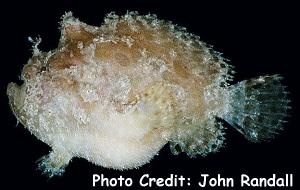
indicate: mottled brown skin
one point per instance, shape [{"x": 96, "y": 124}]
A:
[{"x": 126, "y": 58}]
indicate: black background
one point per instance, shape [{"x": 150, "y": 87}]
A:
[{"x": 258, "y": 38}]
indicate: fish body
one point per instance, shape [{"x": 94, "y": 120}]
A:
[{"x": 116, "y": 94}]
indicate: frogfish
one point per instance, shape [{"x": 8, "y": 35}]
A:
[{"x": 116, "y": 94}]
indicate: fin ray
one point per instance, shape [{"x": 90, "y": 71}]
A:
[{"x": 257, "y": 107}]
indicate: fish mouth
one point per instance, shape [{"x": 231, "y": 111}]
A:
[{"x": 13, "y": 93}]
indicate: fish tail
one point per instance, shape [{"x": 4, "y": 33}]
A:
[{"x": 258, "y": 107}]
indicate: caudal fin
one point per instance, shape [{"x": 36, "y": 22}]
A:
[{"x": 258, "y": 107}]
